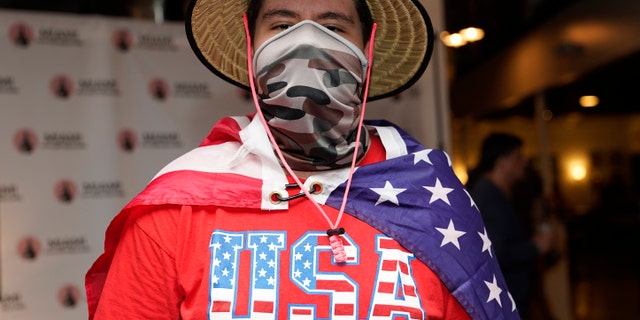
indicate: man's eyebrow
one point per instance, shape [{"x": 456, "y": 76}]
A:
[
  {"x": 280, "y": 13},
  {"x": 332, "y": 15}
]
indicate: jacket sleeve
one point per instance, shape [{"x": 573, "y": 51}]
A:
[{"x": 140, "y": 281}]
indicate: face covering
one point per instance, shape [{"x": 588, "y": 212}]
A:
[{"x": 309, "y": 82}]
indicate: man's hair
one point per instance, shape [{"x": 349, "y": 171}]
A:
[
  {"x": 364, "y": 14},
  {"x": 493, "y": 147}
]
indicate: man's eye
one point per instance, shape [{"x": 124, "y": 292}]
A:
[
  {"x": 282, "y": 26},
  {"x": 333, "y": 28}
]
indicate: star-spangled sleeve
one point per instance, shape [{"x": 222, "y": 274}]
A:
[{"x": 418, "y": 200}]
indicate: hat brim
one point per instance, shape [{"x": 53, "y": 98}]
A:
[{"x": 403, "y": 42}]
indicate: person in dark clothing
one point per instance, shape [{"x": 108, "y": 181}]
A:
[{"x": 502, "y": 164}]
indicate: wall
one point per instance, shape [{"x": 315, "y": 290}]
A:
[{"x": 90, "y": 109}]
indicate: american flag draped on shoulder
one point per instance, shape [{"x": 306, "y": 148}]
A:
[
  {"x": 417, "y": 200},
  {"x": 413, "y": 197}
]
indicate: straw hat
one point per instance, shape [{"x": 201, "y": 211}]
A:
[{"x": 403, "y": 44}]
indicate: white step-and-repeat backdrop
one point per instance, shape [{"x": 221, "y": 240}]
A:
[{"x": 90, "y": 109}]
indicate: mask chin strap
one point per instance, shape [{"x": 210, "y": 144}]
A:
[{"x": 334, "y": 231}]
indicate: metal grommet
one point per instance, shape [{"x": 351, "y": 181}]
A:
[
  {"x": 275, "y": 197},
  {"x": 315, "y": 188}
]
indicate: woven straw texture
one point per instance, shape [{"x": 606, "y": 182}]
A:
[{"x": 403, "y": 42}]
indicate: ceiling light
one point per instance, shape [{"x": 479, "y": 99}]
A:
[
  {"x": 578, "y": 171},
  {"x": 589, "y": 101},
  {"x": 452, "y": 40},
  {"x": 462, "y": 37},
  {"x": 472, "y": 34}
]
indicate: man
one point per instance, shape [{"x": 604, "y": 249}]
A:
[
  {"x": 301, "y": 211},
  {"x": 502, "y": 164}
]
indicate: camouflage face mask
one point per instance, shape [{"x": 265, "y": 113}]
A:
[{"x": 309, "y": 82}]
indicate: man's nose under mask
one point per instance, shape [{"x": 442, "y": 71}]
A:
[{"x": 309, "y": 82}]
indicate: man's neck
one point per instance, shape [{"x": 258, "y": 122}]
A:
[{"x": 304, "y": 174}]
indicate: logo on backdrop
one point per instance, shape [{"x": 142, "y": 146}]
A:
[
  {"x": 7, "y": 85},
  {"x": 159, "y": 89},
  {"x": 68, "y": 296},
  {"x": 103, "y": 87},
  {"x": 59, "y": 36},
  {"x": 29, "y": 248},
  {"x": 61, "y": 86},
  {"x": 67, "y": 245},
  {"x": 122, "y": 40},
  {"x": 102, "y": 189},
  {"x": 11, "y": 301},
  {"x": 192, "y": 90},
  {"x": 160, "y": 42},
  {"x": 65, "y": 191},
  {"x": 63, "y": 140},
  {"x": 9, "y": 193},
  {"x": 25, "y": 141},
  {"x": 21, "y": 34},
  {"x": 127, "y": 140},
  {"x": 161, "y": 140}
]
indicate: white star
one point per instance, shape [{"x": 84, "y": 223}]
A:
[
  {"x": 306, "y": 282},
  {"x": 217, "y": 245},
  {"x": 272, "y": 247},
  {"x": 297, "y": 274},
  {"x": 216, "y": 262},
  {"x": 214, "y": 279},
  {"x": 307, "y": 247},
  {"x": 388, "y": 193},
  {"x": 513, "y": 302},
  {"x": 422, "y": 156},
  {"x": 486, "y": 242},
  {"x": 226, "y": 255},
  {"x": 263, "y": 256},
  {"x": 451, "y": 235},
  {"x": 262, "y": 273},
  {"x": 297, "y": 256},
  {"x": 227, "y": 239},
  {"x": 307, "y": 264},
  {"x": 263, "y": 239},
  {"x": 448, "y": 159},
  {"x": 439, "y": 192},
  {"x": 225, "y": 272},
  {"x": 494, "y": 291},
  {"x": 271, "y": 263},
  {"x": 473, "y": 204},
  {"x": 271, "y": 281}
]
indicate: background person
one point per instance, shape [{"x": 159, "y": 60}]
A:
[{"x": 501, "y": 167}]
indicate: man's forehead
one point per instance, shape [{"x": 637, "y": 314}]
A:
[{"x": 341, "y": 9}]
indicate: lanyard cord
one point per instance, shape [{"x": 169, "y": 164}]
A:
[{"x": 334, "y": 232}]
